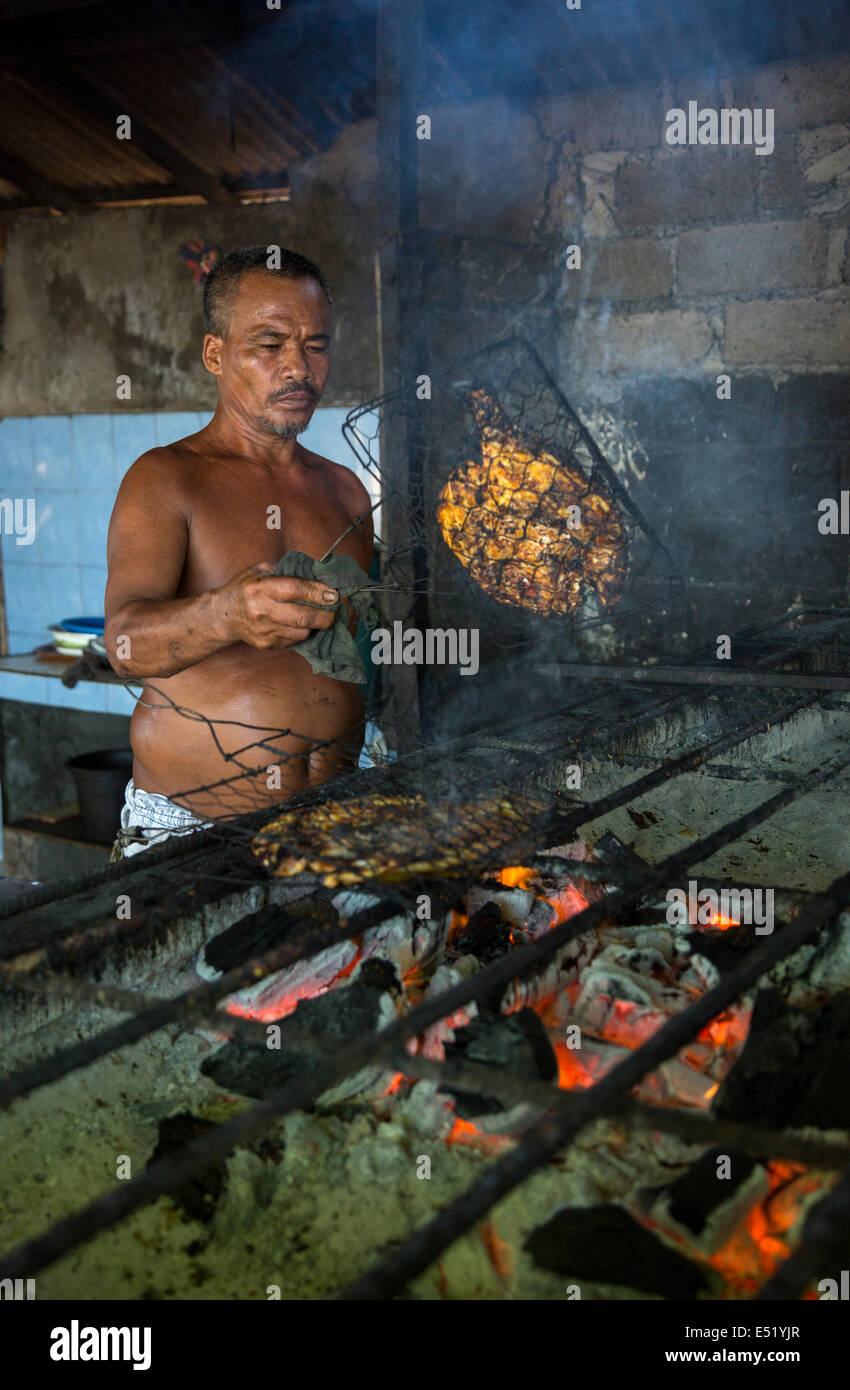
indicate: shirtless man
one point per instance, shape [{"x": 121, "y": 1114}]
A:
[{"x": 191, "y": 612}]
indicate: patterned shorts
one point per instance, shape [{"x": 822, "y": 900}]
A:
[{"x": 148, "y": 818}]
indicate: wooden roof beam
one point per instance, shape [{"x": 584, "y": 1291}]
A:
[
  {"x": 105, "y": 104},
  {"x": 43, "y": 193}
]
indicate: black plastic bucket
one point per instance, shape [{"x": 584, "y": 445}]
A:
[{"x": 100, "y": 779}]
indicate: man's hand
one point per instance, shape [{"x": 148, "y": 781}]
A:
[{"x": 268, "y": 610}]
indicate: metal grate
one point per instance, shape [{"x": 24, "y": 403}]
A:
[{"x": 31, "y": 958}]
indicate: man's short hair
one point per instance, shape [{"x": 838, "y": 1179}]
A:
[{"x": 222, "y": 283}]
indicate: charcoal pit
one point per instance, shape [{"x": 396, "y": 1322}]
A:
[{"x": 538, "y": 1033}]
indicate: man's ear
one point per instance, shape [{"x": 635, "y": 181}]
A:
[{"x": 211, "y": 353}]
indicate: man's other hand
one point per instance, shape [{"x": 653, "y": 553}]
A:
[{"x": 268, "y": 610}]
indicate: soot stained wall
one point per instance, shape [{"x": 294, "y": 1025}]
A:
[{"x": 696, "y": 262}]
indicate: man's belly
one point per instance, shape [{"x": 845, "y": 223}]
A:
[{"x": 243, "y": 729}]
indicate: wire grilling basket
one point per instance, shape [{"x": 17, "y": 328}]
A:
[{"x": 498, "y": 503}]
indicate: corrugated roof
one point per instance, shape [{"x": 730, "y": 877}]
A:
[
  {"x": 44, "y": 131},
  {"x": 228, "y": 96}
]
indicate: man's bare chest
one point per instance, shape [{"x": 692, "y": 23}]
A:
[{"x": 234, "y": 526}]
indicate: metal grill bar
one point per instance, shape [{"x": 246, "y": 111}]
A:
[
  {"x": 688, "y": 1125},
  {"x": 80, "y": 1054},
  {"x": 813, "y": 636},
  {"x": 694, "y": 675},
  {"x": 552, "y": 1134},
  {"x": 165, "y": 1175},
  {"x": 556, "y": 1132}
]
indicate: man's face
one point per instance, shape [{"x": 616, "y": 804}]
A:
[{"x": 274, "y": 362}]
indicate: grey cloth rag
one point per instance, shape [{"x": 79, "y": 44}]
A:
[
  {"x": 332, "y": 651},
  {"x": 91, "y": 665}
]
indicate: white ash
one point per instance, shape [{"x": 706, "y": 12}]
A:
[
  {"x": 701, "y": 974},
  {"x": 426, "y": 1109},
  {"x": 444, "y": 977},
  {"x": 405, "y": 941},
  {"x": 561, "y": 971},
  {"x": 509, "y": 1123},
  {"x": 516, "y": 903}
]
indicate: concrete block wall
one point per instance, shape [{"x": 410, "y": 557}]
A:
[{"x": 696, "y": 261}]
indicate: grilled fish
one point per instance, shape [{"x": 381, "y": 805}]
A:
[
  {"x": 392, "y": 838},
  {"x": 507, "y": 521}
]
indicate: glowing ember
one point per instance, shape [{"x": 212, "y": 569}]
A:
[
  {"x": 719, "y": 923},
  {"x": 457, "y": 923},
  {"x": 268, "y": 1013},
  {"x": 727, "y": 1029},
  {"x": 629, "y": 1024},
  {"x": 395, "y": 1085},
  {"x": 517, "y": 877},
  {"x": 757, "y": 1246},
  {"x": 566, "y": 903},
  {"x": 498, "y": 1250},
  {"x": 462, "y": 1132},
  {"x": 573, "y": 1075}
]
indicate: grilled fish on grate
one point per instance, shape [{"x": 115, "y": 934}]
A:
[
  {"x": 506, "y": 520},
  {"x": 392, "y": 838}
]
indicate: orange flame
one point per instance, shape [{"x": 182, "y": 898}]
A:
[
  {"x": 458, "y": 921},
  {"x": 517, "y": 877},
  {"x": 753, "y": 1251},
  {"x": 573, "y": 1075},
  {"x": 394, "y": 1085},
  {"x": 719, "y": 923},
  {"x": 726, "y": 1030},
  {"x": 462, "y": 1132}
]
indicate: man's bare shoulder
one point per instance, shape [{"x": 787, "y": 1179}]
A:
[
  {"x": 165, "y": 468},
  {"x": 344, "y": 481}
]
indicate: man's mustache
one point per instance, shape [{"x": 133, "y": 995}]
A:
[{"x": 295, "y": 391}]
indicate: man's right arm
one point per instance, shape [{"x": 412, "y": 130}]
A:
[{"x": 148, "y": 631}]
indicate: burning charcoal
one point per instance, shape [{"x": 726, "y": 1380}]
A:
[
  {"x": 605, "y": 1245},
  {"x": 516, "y": 903},
  {"x": 793, "y": 1069},
  {"x": 262, "y": 931},
  {"x": 486, "y": 935},
  {"x": 520, "y": 906},
  {"x": 700, "y": 975},
  {"x": 276, "y": 995},
  {"x": 724, "y": 947},
  {"x": 518, "y": 1045},
  {"x": 198, "y": 1195},
  {"x": 443, "y": 978},
  {"x": 363, "y": 911},
  {"x": 551, "y": 980},
  {"x": 351, "y": 1011},
  {"x": 404, "y": 940},
  {"x": 704, "y": 1207},
  {"x": 612, "y": 975}
]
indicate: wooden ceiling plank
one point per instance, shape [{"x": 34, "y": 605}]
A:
[
  {"x": 30, "y": 182},
  {"x": 105, "y": 105}
]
